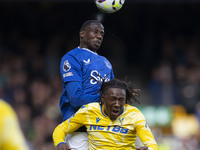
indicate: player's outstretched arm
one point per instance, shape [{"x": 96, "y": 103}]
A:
[
  {"x": 58, "y": 136},
  {"x": 63, "y": 129},
  {"x": 144, "y": 133},
  {"x": 68, "y": 126}
]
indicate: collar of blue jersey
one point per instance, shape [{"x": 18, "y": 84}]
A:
[
  {"x": 88, "y": 50},
  {"x": 102, "y": 110}
]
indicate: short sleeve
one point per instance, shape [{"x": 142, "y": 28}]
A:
[{"x": 70, "y": 68}]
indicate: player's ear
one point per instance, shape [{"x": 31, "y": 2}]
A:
[
  {"x": 102, "y": 98},
  {"x": 82, "y": 34}
]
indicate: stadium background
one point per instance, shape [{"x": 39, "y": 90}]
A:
[{"x": 155, "y": 44}]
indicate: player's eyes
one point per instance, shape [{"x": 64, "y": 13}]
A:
[
  {"x": 102, "y": 33},
  {"x": 112, "y": 99},
  {"x": 98, "y": 32},
  {"x": 122, "y": 100},
  {"x": 115, "y": 99}
]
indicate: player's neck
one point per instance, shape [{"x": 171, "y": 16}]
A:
[{"x": 87, "y": 49}]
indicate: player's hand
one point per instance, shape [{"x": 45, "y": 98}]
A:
[
  {"x": 63, "y": 146},
  {"x": 142, "y": 148}
]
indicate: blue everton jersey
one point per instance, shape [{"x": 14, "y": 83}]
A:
[{"x": 84, "y": 66}]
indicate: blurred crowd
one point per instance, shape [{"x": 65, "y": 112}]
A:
[
  {"x": 175, "y": 79},
  {"x": 34, "y": 97},
  {"x": 158, "y": 48}
]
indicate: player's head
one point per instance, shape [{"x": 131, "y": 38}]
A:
[
  {"x": 114, "y": 95},
  {"x": 91, "y": 35}
]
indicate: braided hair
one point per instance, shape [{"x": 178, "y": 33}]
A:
[{"x": 131, "y": 93}]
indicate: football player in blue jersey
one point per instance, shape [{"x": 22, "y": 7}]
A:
[{"x": 81, "y": 69}]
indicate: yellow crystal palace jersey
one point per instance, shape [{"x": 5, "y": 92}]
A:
[
  {"x": 11, "y": 137},
  {"x": 106, "y": 134}
]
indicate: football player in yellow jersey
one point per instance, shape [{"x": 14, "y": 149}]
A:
[
  {"x": 11, "y": 136},
  {"x": 111, "y": 124}
]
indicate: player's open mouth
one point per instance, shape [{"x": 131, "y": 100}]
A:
[
  {"x": 115, "y": 112},
  {"x": 98, "y": 43}
]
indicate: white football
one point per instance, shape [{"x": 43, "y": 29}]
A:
[{"x": 109, "y": 6}]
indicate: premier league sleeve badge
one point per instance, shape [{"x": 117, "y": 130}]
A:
[{"x": 66, "y": 66}]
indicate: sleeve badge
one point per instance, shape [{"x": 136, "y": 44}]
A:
[{"x": 66, "y": 66}]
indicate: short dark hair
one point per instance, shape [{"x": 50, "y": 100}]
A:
[
  {"x": 131, "y": 93},
  {"x": 88, "y": 23}
]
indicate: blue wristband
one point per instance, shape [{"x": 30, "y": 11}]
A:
[{"x": 60, "y": 143}]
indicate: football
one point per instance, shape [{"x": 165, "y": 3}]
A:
[{"x": 109, "y": 6}]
